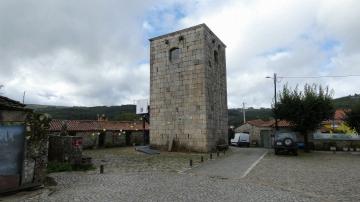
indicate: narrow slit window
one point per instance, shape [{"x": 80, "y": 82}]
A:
[
  {"x": 174, "y": 54},
  {"x": 216, "y": 56}
]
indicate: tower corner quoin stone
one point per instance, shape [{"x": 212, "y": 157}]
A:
[{"x": 188, "y": 96}]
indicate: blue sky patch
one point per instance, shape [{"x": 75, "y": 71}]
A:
[
  {"x": 164, "y": 19},
  {"x": 329, "y": 44},
  {"x": 274, "y": 51}
]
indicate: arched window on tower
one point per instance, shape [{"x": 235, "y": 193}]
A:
[{"x": 174, "y": 54}]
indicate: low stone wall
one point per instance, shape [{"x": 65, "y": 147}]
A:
[
  {"x": 90, "y": 140},
  {"x": 35, "y": 162},
  {"x": 65, "y": 148},
  {"x": 340, "y": 144}
]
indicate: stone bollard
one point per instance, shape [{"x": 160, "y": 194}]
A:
[
  {"x": 191, "y": 163},
  {"x": 201, "y": 159},
  {"x": 101, "y": 169},
  {"x": 210, "y": 155}
]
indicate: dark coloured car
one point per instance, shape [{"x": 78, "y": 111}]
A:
[{"x": 285, "y": 142}]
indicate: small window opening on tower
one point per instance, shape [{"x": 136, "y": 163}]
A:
[
  {"x": 216, "y": 56},
  {"x": 174, "y": 54}
]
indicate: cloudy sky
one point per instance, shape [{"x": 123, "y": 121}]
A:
[{"x": 88, "y": 53}]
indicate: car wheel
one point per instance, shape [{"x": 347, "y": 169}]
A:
[
  {"x": 248, "y": 144},
  {"x": 288, "y": 142}
]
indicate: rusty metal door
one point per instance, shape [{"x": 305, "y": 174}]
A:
[{"x": 12, "y": 138}]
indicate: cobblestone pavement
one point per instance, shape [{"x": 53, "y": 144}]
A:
[
  {"x": 237, "y": 165},
  {"x": 308, "y": 177},
  {"x": 126, "y": 159},
  {"x": 330, "y": 177}
]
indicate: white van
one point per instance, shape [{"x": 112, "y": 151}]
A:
[{"x": 241, "y": 139}]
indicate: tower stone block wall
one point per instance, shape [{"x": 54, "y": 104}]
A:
[{"x": 188, "y": 96}]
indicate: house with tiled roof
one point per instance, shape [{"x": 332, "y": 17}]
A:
[
  {"x": 103, "y": 133},
  {"x": 336, "y": 122},
  {"x": 261, "y": 131}
]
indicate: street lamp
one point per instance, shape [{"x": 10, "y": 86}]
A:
[{"x": 275, "y": 101}]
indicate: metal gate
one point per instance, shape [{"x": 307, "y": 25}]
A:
[
  {"x": 265, "y": 136},
  {"x": 12, "y": 138}
]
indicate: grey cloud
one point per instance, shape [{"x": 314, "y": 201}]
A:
[
  {"x": 61, "y": 50},
  {"x": 94, "y": 53}
]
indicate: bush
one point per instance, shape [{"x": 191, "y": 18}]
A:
[{"x": 54, "y": 167}]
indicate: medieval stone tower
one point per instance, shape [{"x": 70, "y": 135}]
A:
[{"x": 188, "y": 97}]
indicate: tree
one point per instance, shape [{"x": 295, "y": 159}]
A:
[
  {"x": 353, "y": 117},
  {"x": 305, "y": 110}
]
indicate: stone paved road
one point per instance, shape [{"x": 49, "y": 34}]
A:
[
  {"x": 330, "y": 177},
  {"x": 235, "y": 166},
  {"x": 156, "y": 187},
  {"x": 308, "y": 177}
]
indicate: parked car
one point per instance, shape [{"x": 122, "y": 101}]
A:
[
  {"x": 241, "y": 139},
  {"x": 285, "y": 142}
]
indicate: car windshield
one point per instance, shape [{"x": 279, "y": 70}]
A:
[{"x": 281, "y": 136}]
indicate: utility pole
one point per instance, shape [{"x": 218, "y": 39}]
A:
[
  {"x": 244, "y": 112},
  {"x": 275, "y": 99}
]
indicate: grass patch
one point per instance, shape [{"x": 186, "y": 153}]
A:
[{"x": 54, "y": 167}]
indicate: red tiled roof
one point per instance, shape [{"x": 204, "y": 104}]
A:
[
  {"x": 270, "y": 123},
  {"x": 122, "y": 125},
  {"x": 93, "y": 125},
  {"x": 283, "y": 123},
  {"x": 339, "y": 114},
  {"x": 338, "y": 119},
  {"x": 260, "y": 123}
]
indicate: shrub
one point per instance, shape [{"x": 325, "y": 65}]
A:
[{"x": 53, "y": 167}]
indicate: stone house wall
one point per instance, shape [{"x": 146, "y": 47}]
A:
[
  {"x": 34, "y": 158},
  {"x": 90, "y": 139},
  {"x": 65, "y": 148},
  {"x": 253, "y": 131}
]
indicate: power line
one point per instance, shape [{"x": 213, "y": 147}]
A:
[{"x": 316, "y": 77}]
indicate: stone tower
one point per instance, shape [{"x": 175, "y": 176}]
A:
[{"x": 188, "y": 98}]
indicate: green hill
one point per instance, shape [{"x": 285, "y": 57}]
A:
[
  {"x": 346, "y": 102},
  {"x": 127, "y": 112},
  {"x": 236, "y": 115}
]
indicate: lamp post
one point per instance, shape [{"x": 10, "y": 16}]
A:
[{"x": 275, "y": 100}]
